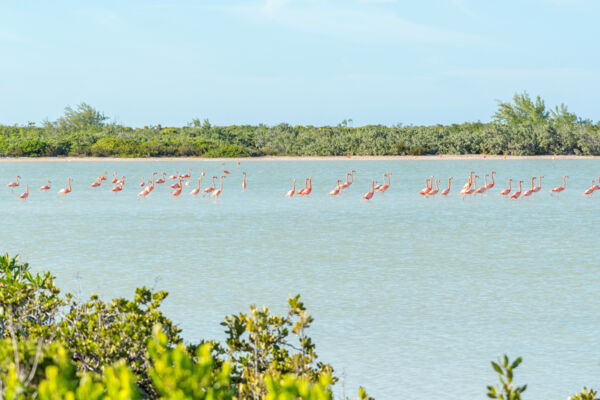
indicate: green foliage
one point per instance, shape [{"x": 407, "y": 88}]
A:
[
  {"x": 523, "y": 126},
  {"x": 585, "y": 394},
  {"x": 259, "y": 344},
  {"x": 292, "y": 387},
  {"x": 506, "y": 390},
  {"x": 177, "y": 376}
]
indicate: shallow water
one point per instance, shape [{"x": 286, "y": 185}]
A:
[{"x": 412, "y": 297}]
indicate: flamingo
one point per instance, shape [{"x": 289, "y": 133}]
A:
[
  {"x": 117, "y": 188},
  {"x": 220, "y": 190},
  {"x": 26, "y": 194},
  {"x": 161, "y": 180},
  {"x": 67, "y": 189},
  {"x": 96, "y": 183},
  {"x": 148, "y": 188},
  {"x": 539, "y": 187},
  {"x": 506, "y": 191},
  {"x": 369, "y": 195},
  {"x": 121, "y": 181},
  {"x": 589, "y": 190},
  {"x": 516, "y": 195},
  {"x": 210, "y": 188},
  {"x": 385, "y": 187},
  {"x": 292, "y": 191},
  {"x": 102, "y": 177},
  {"x": 559, "y": 189},
  {"x": 352, "y": 176},
  {"x": 529, "y": 192},
  {"x": 14, "y": 184},
  {"x": 335, "y": 191},
  {"x": 435, "y": 191},
  {"x": 447, "y": 190},
  {"x": 188, "y": 175},
  {"x": 46, "y": 186},
  {"x": 203, "y": 171},
  {"x": 142, "y": 183},
  {"x": 426, "y": 189},
  {"x": 307, "y": 191},
  {"x": 196, "y": 190},
  {"x": 470, "y": 190},
  {"x": 491, "y": 185},
  {"x": 347, "y": 183},
  {"x": 244, "y": 182},
  {"x": 175, "y": 176},
  {"x": 597, "y": 187},
  {"x": 178, "y": 189},
  {"x": 469, "y": 182},
  {"x": 224, "y": 170},
  {"x": 114, "y": 180},
  {"x": 483, "y": 188},
  {"x": 176, "y": 185},
  {"x": 304, "y": 189}
]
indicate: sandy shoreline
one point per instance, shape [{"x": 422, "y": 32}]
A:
[{"x": 294, "y": 158}]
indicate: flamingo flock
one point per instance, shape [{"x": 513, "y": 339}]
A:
[{"x": 432, "y": 185}]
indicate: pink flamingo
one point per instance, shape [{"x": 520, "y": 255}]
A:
[
  {"x": 516, "y": 195},
  {"x": 175, "y": 176},
  {"x": 506, "y": 191},
  {"x": 447, "y": 190},
  {"x": 307, "y": 191},
  {"x": 178, "y": 189},
  {"x": 224, "y": 170},
  {"x": 347, "y": 183},
  {"x": 369, "y": 195},
  {"x": 482, "y": 189},
  {"x": 189, "y": 174},
  {"x": 385, "y": 187},
  {"x": 304, "y": 189},
  {"x": 142, "y": 183},
  {"x": 435, "y": 191},
  {"x": 14, "y": 184},
  {"x": 491, "y": 185},
  {"x": 220, "y": 190},
  {"x": 559, "y": 189},
  {"x": 292, "y": 191},
  {"x": 26, "y": 194},
  {"x": 470, "y": 190},
  {"x": 539, "y": 186},
  {"x": 46, "y": 186},
  {"x": 203, "y": 171},
  {"x": 196, "y": 190},
  {"x": 425, "y": 190},
  {"x": 102, "y": 177},
  {"x": 67, "y": 189},
  {"x": 352, "y": 176},
  {"x": 244, "y": 182},
  {"x": 176, "y": 185},
  {"x": 117, "y": 188},
  {"x": 469, "y": 182},
  {"x": 148, "y": 188},
  {"x": 335, "y": 191},
  {"x": 589, "y": 190},
  {"x": 114, "y": 180},
  {"x": 210, "y": 188},
  {"x": 529, "y": 192},
  {"x": 161, "y": 180},
  {"x": 121, "y": 181},
  {"x": 96, "y": 183}
]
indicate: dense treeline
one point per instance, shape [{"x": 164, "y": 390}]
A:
[
  {"x": 55, "y": 347},
  {"x": 520, "y": 127}
]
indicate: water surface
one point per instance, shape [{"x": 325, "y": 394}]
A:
[{"x": 412, "y": 297}]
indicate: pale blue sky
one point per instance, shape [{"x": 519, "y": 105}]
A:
[{"x": 297, "y": 61}]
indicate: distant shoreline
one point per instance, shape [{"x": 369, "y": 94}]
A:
[{"x": 458, "y": 157}]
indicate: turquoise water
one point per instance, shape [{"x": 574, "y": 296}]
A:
[{"x": 412, "y": 297}]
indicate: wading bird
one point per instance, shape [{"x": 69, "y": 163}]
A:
[
  {"x": 67, "y": 189},
  {"x": 516, "y": 195},
  {"x": 292, "y": 191},
  {"x": 46, "y": 186},
  {"x": 26, "y": 194},
  {"x": 220, "y": 190},
  {"x": 559, "y": 189},
  {"x": 447, "y": 190},
  {"x": 369, "y": 195},
  {"x": 506, "y": 191},
  {"x": 14, "y": 184},
  {"x": 197, "y": 189}
]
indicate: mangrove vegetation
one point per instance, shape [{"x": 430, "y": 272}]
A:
[{"x": 523, "y": 126}]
